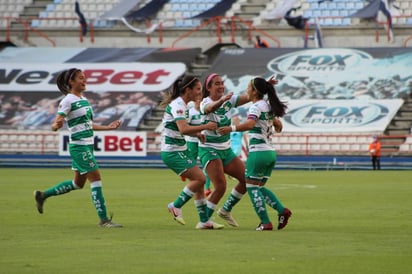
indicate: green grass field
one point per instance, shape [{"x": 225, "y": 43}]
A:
[{"x": 343, "y": 222}]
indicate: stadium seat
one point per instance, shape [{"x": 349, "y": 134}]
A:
[
  {"x": 35, "y": 23},
  {"x": 50, "y": 7}
]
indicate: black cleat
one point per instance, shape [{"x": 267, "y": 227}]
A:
[{"x": 39, "y": 197}]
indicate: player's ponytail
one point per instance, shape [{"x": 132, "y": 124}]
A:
[
  {"x": 277, "y": 107},
  {"x": 63, "y": 80},
  {"x": 178, "y": 88}
]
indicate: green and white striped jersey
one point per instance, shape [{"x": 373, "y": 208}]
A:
[
  {"x": 172, "y": 139},
  {"x": 222, "y": 116},
  {"x": 259, "y": 136},
  {"x": 79, "y": 116},
  {"x": 194, "y": 119}
]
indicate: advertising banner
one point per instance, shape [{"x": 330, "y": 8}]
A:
[
  {"x": 324, "y": 73},
  {"x": 111, "y": 143},
  {"x": 122, "y": 83},
  {"x": 101, "y": 77},
  {"x": 340, "y": 115},
  {"x": 326, "y": 89}
]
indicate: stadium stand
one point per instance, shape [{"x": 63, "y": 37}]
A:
[
  {"x": 50, "y": 22},
  {"x": 331, "y": 13}
]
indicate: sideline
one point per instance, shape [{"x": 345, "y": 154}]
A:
[{"x": 324, "y": 162}]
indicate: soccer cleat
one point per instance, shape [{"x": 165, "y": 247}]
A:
[
  {"x": 227, "y": 216},
  {"x": 108, "y": 223},
  {"x": 38, "y": 196},
  {"x": 209, "y": 225},
  {"x": 262, "y": 227},
  {"x": 283, "y": 218},
  {"x": 176, "y": 213}
]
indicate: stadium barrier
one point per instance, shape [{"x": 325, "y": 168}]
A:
[
  {"x": 47, "y": 142},
  {"x": 311, "y": 163}
]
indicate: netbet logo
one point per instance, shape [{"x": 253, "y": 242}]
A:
[
  {"x": 93, "y": 76},
  {"x": 113, "y": 143}
]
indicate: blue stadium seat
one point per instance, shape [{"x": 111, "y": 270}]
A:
[
  {"x": 314, "y": 5},
  {"x": 308, "y": 14},
  {"x": 337, "y": 21},
  {"x": 359, "y": 5},
  {"x": 346, "y": 21},
  {"x": 334, "y": 13},
  {"x": 50, "y": 7},
  {"x": 325, "y": 13},
  {"x": 179, "y": 23},
  {"x": 343, "y": 13},
  {"x": 43, "y": 14},
  {"x": 35, "y": 23}
]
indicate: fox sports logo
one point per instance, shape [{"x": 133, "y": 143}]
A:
[{"x": 320, "y": 61}]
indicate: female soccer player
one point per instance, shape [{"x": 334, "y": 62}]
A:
[
  {"x": 76, "y": 110},
  {"x": 195, "y": 119},
  {"x": 215, "y": 153},
  {"x": 174, "y": 151},
  {"x": 262, "y": 115}
]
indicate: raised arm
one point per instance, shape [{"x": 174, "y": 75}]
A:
[
  {"x": 216, "y": 104},
  {"x": 187, "y": 129},
  {"x": 113, "y": 125},
  {"x": 247, "y": 125}
]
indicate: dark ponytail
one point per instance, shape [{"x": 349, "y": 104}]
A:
[
  {"x": 277, "y": 107},
  {"x": 178, "y": 88},
  {"x": 63, "y": 80}
]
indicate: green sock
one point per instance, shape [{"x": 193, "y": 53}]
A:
[
  {"x": 232, "y": 200},
  {"x": 210, "y": 209},
  {"x": 202, "y": 210},
  {"x": 183, "y": 197},
  {"x": 61, "y": 188},
  {"x": 272, "y": 200},
  {"x": 258, "y": 202},
  {"x": 98, "y": 199}
]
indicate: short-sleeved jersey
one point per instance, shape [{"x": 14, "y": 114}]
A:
[
  {"x": 172, "y": 139},
  {"x": 79, "y": 116},
  {"x": 222, "y": 116},
  {"x": 194, "y": 119},
  {"x": 259, "y": 135}
]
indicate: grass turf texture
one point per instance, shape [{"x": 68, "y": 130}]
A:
[{"x": 343, "y": 222}]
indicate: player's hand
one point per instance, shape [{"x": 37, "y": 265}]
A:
[
  {"x": 226, "y": 97},
  {"x": 211, "y": 126},
  {"x": 115, "y": 124},
  {"x": 224, "y": 130},
  {"x": 201, "y": 137},
  {"x": 278, "y": 125},
  {"x": 57, "y": 124},
  {"x": 273, "y": 80}
]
